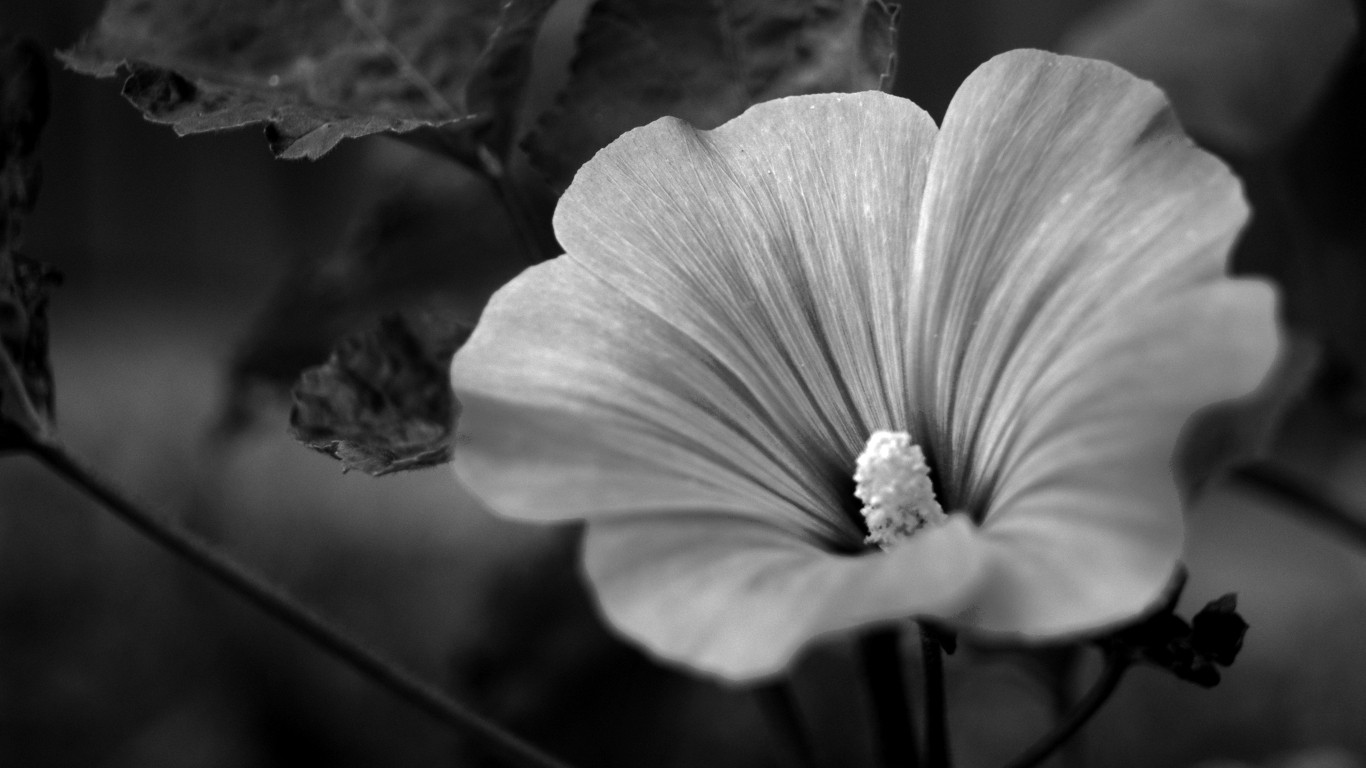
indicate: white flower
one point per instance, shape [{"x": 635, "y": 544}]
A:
[{"x": 1034, "y": 293}]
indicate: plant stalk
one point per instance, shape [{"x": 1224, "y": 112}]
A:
[
  {"x": 938, "y": 752},
  {"x": 272, "y": 599},
  {"x": 1116, "y": 665},
  {"x": 893, "y": 723}
]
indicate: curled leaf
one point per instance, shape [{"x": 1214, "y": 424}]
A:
[
  {"x": 433, "y": 239},
  {"x": 313, "y": 71},
  {"x": 639, "y": 60},
  {"x": 383, "y": 402}
]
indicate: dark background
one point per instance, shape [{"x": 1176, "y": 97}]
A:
[{"x": 114, "y": 654}]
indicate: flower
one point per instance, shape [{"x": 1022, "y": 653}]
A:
[{"x": 1033, "y": 296}]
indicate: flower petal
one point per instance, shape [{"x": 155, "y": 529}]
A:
[
  {"x": 1088, "y": 528},
  {"x": 734, "y": 293},
  {"x": 738, "y": 599},
  {"x": 575, "y": 402},
  {"x": 1072, "y": 313}
]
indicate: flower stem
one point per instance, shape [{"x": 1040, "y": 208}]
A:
[
  {"x": 1302, "y": 498},
  {"x": 779, "y": 708},
  {"x": 938, "y": 753},
  {"x": 893, "y": 724},
  {"x": 1116, "y": 665},
  {"x": 298, "y": 617}
]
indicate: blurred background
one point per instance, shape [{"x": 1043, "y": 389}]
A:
[{"x": 112, "y": 653}]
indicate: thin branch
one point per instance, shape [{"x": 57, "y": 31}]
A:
[
  {"x": 938, "y": 751},
  {"x": 1303, "y": 498},
  {"x": 1116, "y": 665},
  {"x": 884, "y": 673},
  {"x": 780, "y": 711},
  {"x": 298, "y": 617}
]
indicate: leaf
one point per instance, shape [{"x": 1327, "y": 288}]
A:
[
  {"x": 433, "y": 239},
  {"x": 496, "y": 86},
  {"x": 705, "y": 62},
  {"x": 1241, "y": 74},
  {"x": 383, "y": 402},
  {"x": 314, "y": 71},
  {"x": 26, "y": 388}
]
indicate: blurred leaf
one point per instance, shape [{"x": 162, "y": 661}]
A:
[
  {"x": 314, "y": 71},
  {"x": 26, "y": 390},
  {"x": 383, "y": 402},
  {"x": 1241, "y": 74},
  {"x": 1315, "y": 189},
  {"x": 1237, "y": 431},
  {"x": 496, "y": 87},
  {"x": 434, "y": 239},
  {"x": 639, "y": 60}
]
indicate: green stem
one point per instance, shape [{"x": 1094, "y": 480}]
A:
[
  {"x": 1302, "y": 498},
  {"x": 893, "y": 724},
  {"x": 298, "y": 617},
  {"x": 1116, "y": 665},
  {"x": 938, "y": 753},
  {"x": 784, "y": 719}
]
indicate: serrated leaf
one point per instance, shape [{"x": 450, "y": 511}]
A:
[
  {"x": 314, "y": 71},
  {"x": 1241, "y": 74},
  {"x": 383, "y": 402},
  {"x": 434, "y": 239},
  {"x": 706, "y": 62},
  {"x": 26, "y": 389}
]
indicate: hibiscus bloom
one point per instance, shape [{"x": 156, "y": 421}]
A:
[{"x": 999, "y": 325}]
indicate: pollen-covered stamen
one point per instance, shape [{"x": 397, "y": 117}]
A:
[{"x": 893, "y": 482}]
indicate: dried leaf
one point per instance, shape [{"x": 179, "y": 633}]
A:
[
  {"x": 1241, "y": 74},
  {"x": 26, "y": 389},
  {"x": 314, "y": 71},
  {"x": 639, "y": 60},
  {"x": 434, "y": 240},
  {"x": 383, "y": 402}
]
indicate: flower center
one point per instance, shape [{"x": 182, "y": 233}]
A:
[{"x": 893, "y": 482}]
